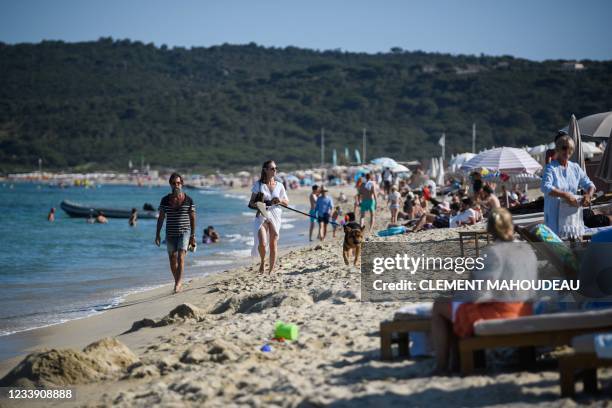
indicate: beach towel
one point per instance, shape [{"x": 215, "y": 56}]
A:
[
  {"x": 603, "y": 345},
  {"x": 571, "y": 223},
  {"x": 469, "y": 313},
  {"x": 545, "y": 234},
  {"x": 400, "y": 229}
]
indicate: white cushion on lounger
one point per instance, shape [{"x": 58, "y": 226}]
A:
[
  {"x": 414, "y": 311},
  {"x": 546, "y": 322}
]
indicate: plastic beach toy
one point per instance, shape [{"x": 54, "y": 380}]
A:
[
  {"x": 266, "y": 348},
  {"x": 286, "y": 331}
]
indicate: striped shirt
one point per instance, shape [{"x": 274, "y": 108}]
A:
[{"x": 177, "y": 218}]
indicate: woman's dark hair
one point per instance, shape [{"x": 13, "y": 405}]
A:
[
  {"x": 487, "y": 189},
  {"x": 263, "y": 178},
  {"x": 173, "y": 176}
]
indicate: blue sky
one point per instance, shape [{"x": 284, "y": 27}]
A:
[{"x": 534, "y": 29}]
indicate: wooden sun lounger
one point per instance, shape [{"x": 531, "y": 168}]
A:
[
  {"x": 523, "y": 332},
  {"x": 545, "y": 251},
  {"x": 556, "y": 329},
  {"x": 582, "y": 362},
  {"x": 398, "y": 332}
]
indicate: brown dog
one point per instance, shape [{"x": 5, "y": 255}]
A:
[{"x": 353, "y": 237}]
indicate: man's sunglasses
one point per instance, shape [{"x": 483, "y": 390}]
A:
[{"x": 566, "y": 147}]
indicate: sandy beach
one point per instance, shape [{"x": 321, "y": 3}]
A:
[{"x": 208, "y": 352}]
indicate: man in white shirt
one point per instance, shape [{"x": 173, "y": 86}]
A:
[{"x": 467, "y": 216}]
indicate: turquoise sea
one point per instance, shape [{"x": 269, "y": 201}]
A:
[{"x": 69, "y": 269}]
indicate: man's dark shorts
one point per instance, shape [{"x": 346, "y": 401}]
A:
[
  {"x": 442, "y": 221},
  {"x": 324, "y": 219}
]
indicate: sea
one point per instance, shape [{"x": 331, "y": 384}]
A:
[{"x": 52, "y": 272}]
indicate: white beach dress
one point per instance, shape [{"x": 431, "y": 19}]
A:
[{"x": 275, "y": 212}]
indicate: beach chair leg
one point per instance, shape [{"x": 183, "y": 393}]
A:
[
  {"x": 566, "y": 379},
  {"x": 466, "y": 360},
  {"x": 404, "y": 345},
  {"x": 589, "y": 379},
  {"x": 480, "y": 359},
  {"x": 385, "y": 343},
  {"x": 527, "y": 357}
]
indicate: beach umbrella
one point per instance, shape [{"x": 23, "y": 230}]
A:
[
  {"x": 357, "y": 156},
  {"x": 574, "y": 132},
  {"x": 400, "y": 168},
  {"x": 384, "y": 162},
  {"x": 334, "y": 158},
  {"x": 538, "y": 150},
  {"x": 506, "y": 159},
  {"x": 346, "y": 154},
  {"x": 432, "y": 171},
  {"x": 604, "y": 171},
  {"x": 440, "y": 178},
  {"x": 598, "y": 125},
  {"x": 589, "y": 149},
  {"x": 461, "y": 158}
]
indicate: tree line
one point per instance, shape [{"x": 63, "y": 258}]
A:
[{"x": 97, "y": 105}]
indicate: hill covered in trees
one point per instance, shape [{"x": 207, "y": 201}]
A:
[{"x": 97, "y": 105}]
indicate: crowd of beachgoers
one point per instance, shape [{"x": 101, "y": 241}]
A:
[{"x": 214, "y": 342}]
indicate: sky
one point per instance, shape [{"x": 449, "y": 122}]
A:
[{"x": 533, "y": 29}]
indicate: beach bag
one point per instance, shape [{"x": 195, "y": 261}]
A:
[{"x": 571, "y": 223}]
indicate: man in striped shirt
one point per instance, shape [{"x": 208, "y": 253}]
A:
[{"x": 179, "y": 210}]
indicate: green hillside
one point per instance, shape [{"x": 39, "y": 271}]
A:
[{"x": 96, "y": 105}]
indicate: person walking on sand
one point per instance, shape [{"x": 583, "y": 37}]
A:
[
  {"x": 179, "y": 210},
  {"x": 313, "y": 213},
  {"x": 367, "y": 200},
  {"x": 51, "y": 215},
  {"x": 266, "y": 230},
  {"x": 324, "y": 208},
  {"x": 387, "y": 177}
]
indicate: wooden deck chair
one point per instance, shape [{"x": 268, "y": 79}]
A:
[
  {"x": 552, "y": 252},
  {"x": 584, "y": 362}
]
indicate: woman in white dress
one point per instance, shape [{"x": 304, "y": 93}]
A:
[{"x": 266, "y": 231}]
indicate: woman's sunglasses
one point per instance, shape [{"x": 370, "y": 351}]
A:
[{"x": 273, "y": 168}]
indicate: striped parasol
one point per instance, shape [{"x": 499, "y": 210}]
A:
[{"x": 505, "y": 159}]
